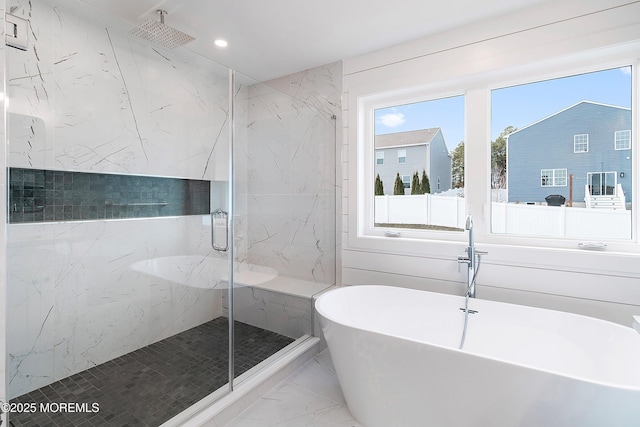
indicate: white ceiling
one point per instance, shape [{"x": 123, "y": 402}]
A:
[{"x": 272, "y": 38}]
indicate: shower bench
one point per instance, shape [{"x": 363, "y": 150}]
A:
[{"x": 276, "y": 303}]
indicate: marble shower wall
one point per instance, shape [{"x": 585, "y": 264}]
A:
[
  {"x": 289, "y": 149},
  {"x": 96, "y": 100},
  {"x": 77, "y": 298},
  {"x": 104, "y": 102}
]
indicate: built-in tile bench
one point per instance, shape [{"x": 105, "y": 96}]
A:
[{"x": 276, "y": 303}]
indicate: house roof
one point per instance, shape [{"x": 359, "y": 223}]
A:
[
  {"x": 565, "y": 109},
  {"x": 403, "y": 139}
]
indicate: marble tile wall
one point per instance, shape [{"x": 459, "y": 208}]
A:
[
  {"x": 83, "y": 302},
  {"x": 289, "y": 148},
  {"x": 108, "y": 103}
]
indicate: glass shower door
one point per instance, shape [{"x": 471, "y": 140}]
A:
[
  {"x": 117, "y": 153},
  {"x": 284, "y": 219}
]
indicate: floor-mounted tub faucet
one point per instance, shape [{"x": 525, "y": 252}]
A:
[
  {"x": 472, "y": 260},
  {"x": 473, "y": 263}
]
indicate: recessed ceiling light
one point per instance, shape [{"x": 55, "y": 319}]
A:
[{"x": 220, "y": 43}]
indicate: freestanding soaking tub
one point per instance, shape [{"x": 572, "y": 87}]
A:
[{"x": 396, "y": 354}]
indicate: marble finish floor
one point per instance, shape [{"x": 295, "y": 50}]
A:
[
  {"x": 311, "y": 396},
  {"x": 150, "y": 385}
]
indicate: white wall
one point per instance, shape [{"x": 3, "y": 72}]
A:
[{"x": 563, "y": 34}]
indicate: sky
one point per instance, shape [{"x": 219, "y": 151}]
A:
[{"x": 517, "y": 106}]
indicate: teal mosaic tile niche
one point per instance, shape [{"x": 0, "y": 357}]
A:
[{"x": 39, "y": 195}]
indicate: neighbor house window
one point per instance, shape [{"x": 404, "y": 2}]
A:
[
  {"x": 581, "y": 143},
  {"x": 379, "y": 157},
  {"x": 406, "y": 181},
  {"x": 623, "y": 139},
  {"x": 553, "y": 177},
  {"x": 402, "y": 156}
]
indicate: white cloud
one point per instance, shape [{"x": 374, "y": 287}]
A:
[
  {"x": 625, "y": 70},
  {"x": 392, "y": 120}
]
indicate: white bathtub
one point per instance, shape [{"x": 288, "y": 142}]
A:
[{"x": 396, "y": 355}]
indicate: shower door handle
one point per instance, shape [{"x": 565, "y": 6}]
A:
[{"x": 220, "y": 230}]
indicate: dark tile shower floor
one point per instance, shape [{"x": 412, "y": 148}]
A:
[{"x": 151, "y": 385}]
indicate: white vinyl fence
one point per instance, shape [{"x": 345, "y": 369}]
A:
[
  {"x": 507, "y": 218},
  {"x": 560, "y": 221},
  {"x": 429, "y": 209}
]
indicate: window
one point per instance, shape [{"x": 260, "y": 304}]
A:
[
  {"x": 427, "y": 138},
  {"x": 502, "y": 106},
  {"x": 402, "y": 156},
  {"x": 379, "y": 157},
  {"x": 553, "y": 177},
  {"x": 530, "y": 123},
  {"x": 581, "y": 143},
  {"x": 623, "y": 140}
]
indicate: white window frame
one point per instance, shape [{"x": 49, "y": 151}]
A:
[
  {"x": 402, "y": 156},
  {"x": 581, "y": 143},
  {"x": 366, "y": 106},
  {"x": 379, "y": 157},
  {"x": 557, "y": 176},
  {"x": 406, "y": 181},
  {"x": 627, "y": 140},
  {"x": 364, "y": 99}
]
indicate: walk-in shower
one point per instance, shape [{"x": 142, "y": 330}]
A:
[{"x": 117, "y": 152}]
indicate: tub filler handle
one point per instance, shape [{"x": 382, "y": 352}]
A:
[{"x": 220, "y": 230}]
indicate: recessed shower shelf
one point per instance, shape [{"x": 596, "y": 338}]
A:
[
  {"x": 161, "y": 204},
  {"x": 28, "y": 209},
  {"x": 43, "y": 195}
]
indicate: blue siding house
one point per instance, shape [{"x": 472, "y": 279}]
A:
[
  {"x": 588, "y": 141},
  {"x": 408, "y": 152}
]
